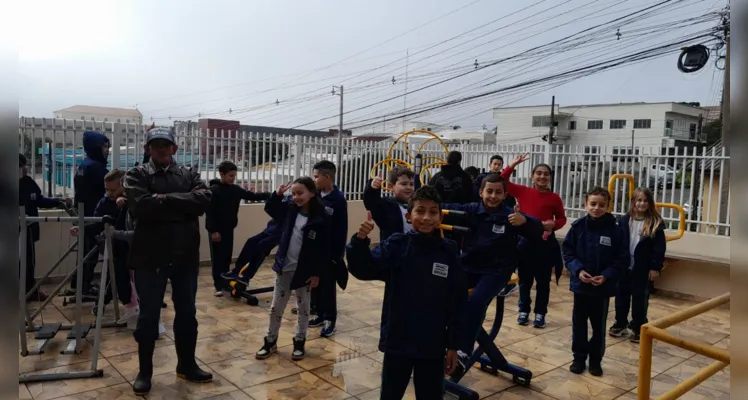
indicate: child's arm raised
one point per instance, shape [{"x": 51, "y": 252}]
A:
[
  {"x": 275, "y": 207},
  {"x": 365, "y": 263},
  {"x": 512, "y": 188},
  {"x": 249, "y": 195},
  {"x": 373, "y": 200}
]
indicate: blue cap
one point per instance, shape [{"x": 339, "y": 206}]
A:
[{"x": 160, "y": 133}]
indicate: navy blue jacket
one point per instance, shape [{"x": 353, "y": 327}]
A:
[
  {"x": 89, "y": 179},
  {"x": 316, "y": 243},
  {"x": 30, "y": 196},
  {"x": 509, "y": 201},
  {"x": 649, "y": 254},
  {"x": 222, "y": 215},
  {"x": 336, "y": 207},
  {"x": 107, "y": 206},
  {"x": 385, "y": 211},
  {"x": 598, "y": 247},
  {"x": 491, "y": 245},
  {"x": 425, "y": 291}
]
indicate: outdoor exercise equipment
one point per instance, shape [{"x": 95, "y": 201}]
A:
[
  {"x": 418, "y": 159},
  {"x": 78, "y": 330},
  {"x": 239, "y": 288}
]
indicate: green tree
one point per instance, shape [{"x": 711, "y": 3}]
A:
[{"x": 713, "y": 131}]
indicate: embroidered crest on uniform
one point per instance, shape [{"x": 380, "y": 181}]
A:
[
  {"x": 498, "y": 229},
  {"x": 329, "y": 210},
  {"x": 312, "y": 234},
  {"x": 440, "y": 270},
  {"x": 605, "y": 241},
  {"x": 33, "y": 196}
]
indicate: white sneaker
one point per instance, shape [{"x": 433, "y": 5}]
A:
[
  {"x": 218, "y": 293},
  {"x": 161, "y": 330},
  {"x": 130, "y": 313}
]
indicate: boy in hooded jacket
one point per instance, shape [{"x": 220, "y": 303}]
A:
[{"x": 595, "y": 253}]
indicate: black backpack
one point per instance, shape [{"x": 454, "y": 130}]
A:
[{"x": 450, "y": 189}]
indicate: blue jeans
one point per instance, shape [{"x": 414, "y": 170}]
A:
[{"x": 486, "y": 288}]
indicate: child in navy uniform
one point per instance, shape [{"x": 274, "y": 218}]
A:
[
  {"x": 30, "y": 196},
  {"x": 646, "y": 233},
  {"x": 490, "y": 254},
  {"x": 256, "y": 249},
  {"x": 304, "y": 243},
  {"x": 389, "y": 212},
  {"x": 222, "y": 218},
  {"x": 596, "y": 254},
  {"x": 334, "y": 272},
  {"x": 424, "y": 294}
]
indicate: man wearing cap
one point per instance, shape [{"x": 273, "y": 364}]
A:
[{"x": 165, "y": 200}]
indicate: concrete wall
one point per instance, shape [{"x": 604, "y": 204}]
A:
[{"x": 698, "y": 266}]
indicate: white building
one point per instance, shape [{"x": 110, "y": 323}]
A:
[
  {"x": 665, "y": 125},
  {"x": 101, "y": 114}
]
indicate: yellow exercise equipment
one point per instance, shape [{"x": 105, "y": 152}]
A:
[
  {"x": 390, "y": 160},
  {"x": 632, "y": 185}
]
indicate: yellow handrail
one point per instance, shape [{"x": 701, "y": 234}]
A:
[
  {"x": 656, "y": 330},
  {"x": 404, "y": 137},
  {"x": 632, "y": 185}
]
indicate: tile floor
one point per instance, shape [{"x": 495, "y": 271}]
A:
[{"x": 348, "y": 365}]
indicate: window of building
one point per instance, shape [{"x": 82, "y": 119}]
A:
[
  {"x": 625, "y": 152},
  {"x": 617, "y": 123},
  {"x": 595, "y": 124},
  {"x": 590, "y": 152},
  {"x": 642, "y": 123},
  {"x": 692, "y": 128},
  {"x": 541, "y": 121},
  {"x": 572, "y": 125}
]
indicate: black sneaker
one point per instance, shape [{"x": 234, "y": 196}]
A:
[
  {"x": 539, "y": 321},
  {"x": 523, "y": 319},
  {"x": 618, "y": 331},
  {"x": 577, "y": 367},
  {"x": 595, "y": 369},
  {"x": 266, "y": 350},
  {"x": 634, "y": 338},
  {"x": 298, "y": 350},
  {"x": 328, "y": 329},
  {"x": 316, "y": 322},
  {"x": 231, "y": 275}
]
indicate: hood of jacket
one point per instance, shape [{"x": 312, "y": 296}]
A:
[{"x": 92, "y": 144}]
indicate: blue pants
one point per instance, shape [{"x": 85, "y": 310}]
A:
[
  {"x": 325, "y": 296},
  {"x": 220, "y": 256},
  {"x": 428, "y": 377},
  {"x": 537, "y": 259},
  {"x": 633, "y": 294},
  {"x": 595, "y": 310},
  {"x": 121, "y": 280},
  {"x": 486, "y": 288},
  {"x": 151, "y": 286}
]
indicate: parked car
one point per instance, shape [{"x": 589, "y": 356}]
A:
[{"x": 659, "y": 175}]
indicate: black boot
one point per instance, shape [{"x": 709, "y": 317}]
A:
[
  {"x": 142, "y": 384},
  {"x": 186, "y": 366}
]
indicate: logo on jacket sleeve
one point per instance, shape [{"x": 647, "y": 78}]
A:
[
  {"x": 605, "y": 241},
  {"x": 441, "y": 270},
  {"x": 329, "y": 210},
  {"x": 312, "y": 235}
]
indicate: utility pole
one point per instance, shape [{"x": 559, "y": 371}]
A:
[
  {"x": 340, "y": 127},
  {"x": 632, "y": 144},
  {"x": 725, "y": 189},
  {"x": 551, "y": 132}
]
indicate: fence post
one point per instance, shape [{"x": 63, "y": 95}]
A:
[
  {"x": 116, "y": 142},
  {"x": 297, "y": 154}
]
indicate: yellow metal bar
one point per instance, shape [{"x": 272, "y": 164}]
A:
[
  {"x": 704, "y": 349},
  {"x": 681, "y": 220},
  {"x": 645, "y": 363},
  {"x": 405, "y": 135},
  {"x": 612, "y": 186},
  {"x": 425, "y": 168},
  {"x": 691, "y": 312},
  {"x": 693, "y": 381}
]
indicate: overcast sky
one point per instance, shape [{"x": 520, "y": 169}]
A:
[{"x": 191, "y": 58}]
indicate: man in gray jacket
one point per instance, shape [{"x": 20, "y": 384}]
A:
[{"x": 166, "y": 200}]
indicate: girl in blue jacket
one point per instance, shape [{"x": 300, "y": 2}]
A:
[
  {"x": 304, "y": 242},
  {"x": 646, "y": 235}
]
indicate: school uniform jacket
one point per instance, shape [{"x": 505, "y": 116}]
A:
[
  {"x": 599, "y": 247},
  {"x": 336, "y": 208},
  {"x": 385, "y": 211},
  {"x": 491, "y": 245},
  {"x": 30, "y": 196},
  {"x": 425, "y": 291},
  {"x": 509, "y": 201},
  {"x": 649, "y": 254},
  {"x": 315, "y": 245}
]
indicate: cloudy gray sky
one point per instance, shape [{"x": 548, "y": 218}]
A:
[{"x": 189, "y": 58}]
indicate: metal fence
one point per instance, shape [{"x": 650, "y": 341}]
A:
[{"x": 690, "y": 178}]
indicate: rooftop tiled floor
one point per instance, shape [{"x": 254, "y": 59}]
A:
[{"x": 348, "y": 365}]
